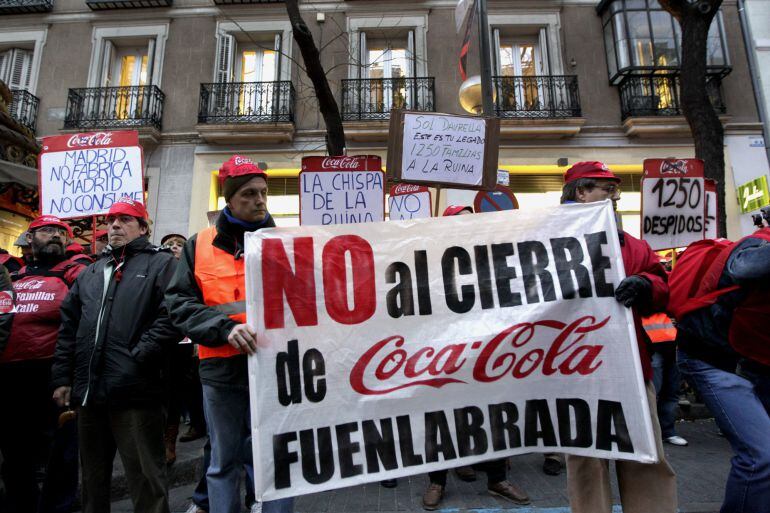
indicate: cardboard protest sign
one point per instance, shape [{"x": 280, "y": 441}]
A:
[
  {"x": 710, "y": 224},
  {"x": 84, "y": 174},
  {"x": 409, "y": 202},
  {"x": 443, "y": 149},
  {"x": 673, "y": 202},
  {"x": 410, "y": 346},
  {"x": 341, "y": 190}
]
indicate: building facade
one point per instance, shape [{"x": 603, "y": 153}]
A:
[{"x": 574, "y": 80}]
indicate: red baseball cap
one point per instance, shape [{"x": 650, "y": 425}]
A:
[
  {"x": 128, "y": 206},
  {"x": 589, "y": 170},
  {"x": 49, "y": 221},
  {"x": 75, "y": 248},
  {"x": 98, "y": 234},
  {"x": 453, "y": 210},
  {"x": 238, "y": 165}
]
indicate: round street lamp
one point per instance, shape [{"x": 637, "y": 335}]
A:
[{"x": 470, "y": 95}]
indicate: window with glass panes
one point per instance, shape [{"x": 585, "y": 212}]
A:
[{"x": 640, "y": 37}]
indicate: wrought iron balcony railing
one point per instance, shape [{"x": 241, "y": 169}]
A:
[
  {"x": 103, "y": 5},
  {"x": 25, "y": 6},
  {"x": 373, "y": 98},
  {"x": 246, "y": 102},
  {"x": 24, "y": 108},
  {"x": 114, "y": 107},
  {"x": 543, "y": 97},
  {"x": 658, "y": 95},
  {"x": 236, "y": 2}
]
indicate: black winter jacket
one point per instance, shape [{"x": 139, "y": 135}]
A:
[
  {"x": 203, "y": 324},
  {"x": 122, "y": 364}
]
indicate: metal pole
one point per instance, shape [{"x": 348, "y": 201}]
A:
[{"x": 486, "y": 65}]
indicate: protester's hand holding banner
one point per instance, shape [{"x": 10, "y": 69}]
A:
[{"x": 398, "y": 348}]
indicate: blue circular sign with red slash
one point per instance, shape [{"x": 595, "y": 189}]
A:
[{"x": 501, "y": 198}]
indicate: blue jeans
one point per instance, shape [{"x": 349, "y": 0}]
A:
[
  {"x": 666, "y": 378},
  {"x": 228, "y": 418},
  {"x": 741, "y": 408},
  {"x": 200, "y": 495}
]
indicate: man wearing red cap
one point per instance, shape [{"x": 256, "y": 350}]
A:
[
  {"x": 109, "y": 362},
  {"x": 100, "y": 242},
  {"x": 207, "y": 298},
  {"x": 644, "y": 488},
  {"x": 26, "y": 355}
]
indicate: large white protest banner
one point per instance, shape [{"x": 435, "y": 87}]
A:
[
  {"x": 390, "y": 349},
  {"x": 84, "y": 174}
]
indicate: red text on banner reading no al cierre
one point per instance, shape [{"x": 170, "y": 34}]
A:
[{"x": 294, "y": 284}]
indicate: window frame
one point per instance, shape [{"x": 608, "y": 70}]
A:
[
  {"x": 102, "y": 37},
  {"x": 37, "y": 37}
]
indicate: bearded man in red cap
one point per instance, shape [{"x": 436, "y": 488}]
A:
[
  {"x": 109, "y": 362},
  {"x": 644, "y": 488},
  {"x": 207, "y": 298},
  {"x": 29, "y": 437}
]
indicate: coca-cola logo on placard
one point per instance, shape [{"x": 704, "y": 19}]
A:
[
  {"x": 6, "y": 302},
  {"x": 85, "y": 140},
  {"x": 408, "y": 188},
  {"x": 341, "y": 162},
  {"x": 387, "y": 366},
  {"x": 673, "y": 167}
]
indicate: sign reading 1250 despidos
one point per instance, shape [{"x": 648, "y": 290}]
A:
[
  {"x": 673, "y": 202},
  {"x": 84, "y": 174}
]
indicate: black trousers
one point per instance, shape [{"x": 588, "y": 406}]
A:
[
  {"x": 495, "y": 469},
  {"x": 30, "y": 441},
  {"x": 135, "y": 433}
]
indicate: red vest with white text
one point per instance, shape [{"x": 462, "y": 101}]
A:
[{"x": 36, "y": 320}]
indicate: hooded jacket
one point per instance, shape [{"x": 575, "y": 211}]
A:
[
  {"x": 203, "y": 324},
  {"x": 113, "y": 339}
]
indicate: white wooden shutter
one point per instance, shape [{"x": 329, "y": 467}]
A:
[
  {"x": 363, "y": 56},
  {"x": 21, "y": 69},
  {"x": 106, "y": 73},
  {"x": 150, "y": 61},
  {"x": 224, "y": 65},
  {"x": 496, "y": 53},
  {"x": 5, "y": 59},
  {"x": 544, "y": 67},
  {"x": 411, "y": 68},
  {"x": 277, "y": 48}
]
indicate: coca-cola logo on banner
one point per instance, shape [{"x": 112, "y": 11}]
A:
[{"x": 84, "y": 140}]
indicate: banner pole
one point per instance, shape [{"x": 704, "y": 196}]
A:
[
  {"x": 93, "y": 235},
  {"x": 438, "y": 198}
]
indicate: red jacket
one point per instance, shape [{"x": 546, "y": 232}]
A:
[{"x": 639, "y": 259}]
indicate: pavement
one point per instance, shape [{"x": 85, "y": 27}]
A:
[{"x": 701, "y": 469}]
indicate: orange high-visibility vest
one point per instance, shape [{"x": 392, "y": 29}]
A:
[
  {"x": 221, "y": 279},
  {"x": 659, "y": 327}
]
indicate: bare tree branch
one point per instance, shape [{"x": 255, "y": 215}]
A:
[{"x": 335, "y": 133}]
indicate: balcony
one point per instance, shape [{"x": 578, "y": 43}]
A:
[
  {"x": 25, "y": 6},
  {"x": 367, "y": 102},
  {"x": 246, "y": 112},
  {"x": 103, "y": 5},
  {"x": 23, "y": 109},
  {"x": 650, "y": 104},
  {"x": 134, "y": 107},
  {"x": 545, "y": 106}
]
